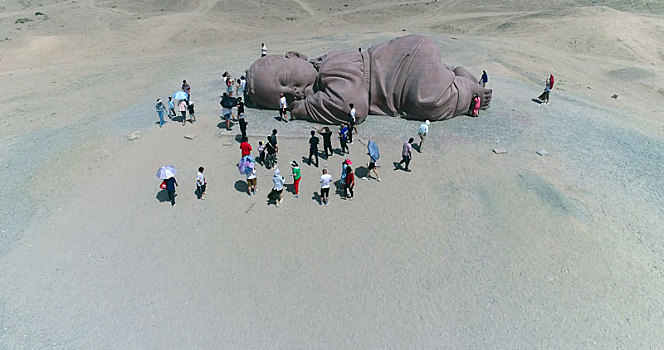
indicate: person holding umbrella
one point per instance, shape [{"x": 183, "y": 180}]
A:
[
  {"x": 167, "y": 173},
  {"x": 374, "y": 154}
]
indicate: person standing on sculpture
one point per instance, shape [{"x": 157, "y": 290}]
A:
[
  {"x": 313, "y": 147},
  {"x": 351, "y": 123},
  {"x": 161, "y": 109},
  {"x": 422, "y": 133},
  {"x": 407, "y": 153},
  {"x": 283, "y": 107},
  {"x": 327, "y": 140}
]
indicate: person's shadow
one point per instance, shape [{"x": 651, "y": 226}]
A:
[
  {"x": 241, "y": 186},
  {"x": 317, "y": 198},
  {"x": 339, "y": 188},
  {"x": 537, "y": 100},
  {"x": 361, "y": 171},
  {"x": 162, "y": 196}
]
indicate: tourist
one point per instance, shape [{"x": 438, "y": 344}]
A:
[
  {"x": 351, "y": 123},
  {"x": 544, "y": 97},
  {"x": 475, "y": 106},
  {"x": 373, "y": 159},
  {"x": 313, "y": 147},
  {"x": 261, "y": 153},
  {"x": 278, "y": 187},
  {"x": 160, "y": 112},
  {"x": 241, "y": 117},
  {"x": 325, "y": 182},
  {"x": 283, "y": 107},
  {"x": 251, "y": 181},
  {"x": 327, "y": 140},
  {"x": 484, "y": 79},
  {"x": 182, "y": 106},
  {"x": 243, "y": 85},
  {"x": 226, "y": 111},
  {"x": 201, "y": 184},
  {"x": 406, "y": 153},
  {"x": 343, "y": 139},
  {"x": 171, "y": 108},
  {"x": 349, "y": 183},
  {"x": 297, "y": 175},
  {"x": 171, "y": 183},
  {"x": 263, "y": 50},
  {"x": 344, "y": 170},
  {"x": 192, "y": 115},
  {"x": 186, "y": 88},
  {"x": 245, "y": 147},
  {"x": 422, "y": 133}
]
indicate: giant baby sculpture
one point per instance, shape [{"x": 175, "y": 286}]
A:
[{"x": 404, "y": 76}]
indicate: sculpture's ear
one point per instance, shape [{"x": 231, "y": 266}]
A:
[{"x": 295, "y": 54}]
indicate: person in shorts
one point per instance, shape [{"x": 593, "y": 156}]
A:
[
  {"x": 201, "y": 184},
  {"x": 372, "y": 166},
  {"x": 251, "y": 182},
  {"x": 227, "y": 113},
  {"x": 325, "y": 183}
]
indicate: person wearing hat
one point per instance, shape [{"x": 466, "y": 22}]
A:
[
  {"x": 344, "y": 168},
  {"x": 424, "y": 129},
  {"x": 161, "y": 109},
  {"x": 297, "y": 175},
  {"x": 277, "y": 188},
  {"x": 349, "y": 183}
]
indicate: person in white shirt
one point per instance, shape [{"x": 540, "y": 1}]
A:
[
  {"x": 283, "y": 105},
  {"x": 263, "y": 50},
  {"x": 351, "y": 126},
  {"x": 325, "y": 181},
  {"x": 424, "y": 129},
  {"x": 201, "y": 184},
  {"x": 251, "y": 181}
]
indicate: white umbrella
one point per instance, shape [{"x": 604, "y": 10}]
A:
[{"x": 166, "y": 172}]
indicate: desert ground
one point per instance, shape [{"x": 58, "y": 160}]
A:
[{"x": 470, "y": 250}]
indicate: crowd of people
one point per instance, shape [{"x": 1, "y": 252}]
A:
[{"x": 267, "y": 151}]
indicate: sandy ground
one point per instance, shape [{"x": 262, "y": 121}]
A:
[{"x": 470, "y": 250}]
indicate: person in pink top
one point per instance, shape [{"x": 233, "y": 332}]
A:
[{"x": 475, "y": 106}]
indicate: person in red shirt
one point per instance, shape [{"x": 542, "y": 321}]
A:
[
  {"x": 245, "y": 147},
  {"x": 349, "y": 183}
]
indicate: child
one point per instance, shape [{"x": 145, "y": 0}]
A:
[
  {"x": 192, "y": 117},
  {"x": 171, "y": 108},
  {"x": 261, "y": 153},
  {"x": 201, "y": 184}
]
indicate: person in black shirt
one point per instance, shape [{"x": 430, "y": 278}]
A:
[
  {"x": 313, "y": 147},
  {"x": 192, "y": 116},
  {"x": 272, "y": 149},
  {"x": 327, "y": 141},
  {"x": 241, "y": 117}
]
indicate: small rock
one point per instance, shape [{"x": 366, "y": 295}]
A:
[
  {"x": 615, "y": 97},
  {"x": 542, "y": 152},
  {"x": 499, "y": 150},
  {"x": 189, "y": 136},
  {"x": 134, "y": 135}
]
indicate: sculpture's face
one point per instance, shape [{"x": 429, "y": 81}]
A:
[{"x": 271, "y": 75}]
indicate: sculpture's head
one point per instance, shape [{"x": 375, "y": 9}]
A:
[{"x": 271, "y": 75}]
